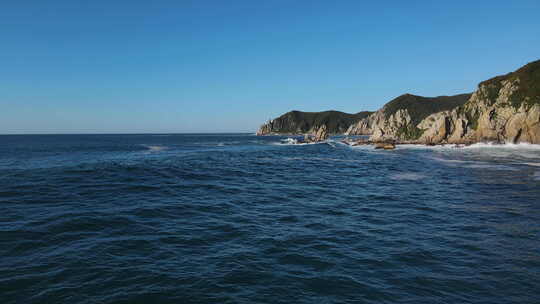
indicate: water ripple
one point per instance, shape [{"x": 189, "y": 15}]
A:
[{"x": 239, "y": 219}]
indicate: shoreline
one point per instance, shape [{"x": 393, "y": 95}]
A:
[{"x": 391, "y": 144}]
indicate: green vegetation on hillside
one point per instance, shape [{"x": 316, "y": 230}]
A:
[
  {"x": 421, "y": 107},
  {"x": 297, "y": 121},
  {"x": 410, "y": 132},
  {"x": 529, "y": 84}
]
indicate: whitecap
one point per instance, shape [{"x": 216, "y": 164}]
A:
[
  {"x": 426, "y": 147},
  {"x": 323, "y": 159},
  {"x": 492, "y": 145},
  {"x": 360, "y": 147},
  {"x": 492, "y": 167},
  {"x": 289, "y": 141},
  {"x": 476, "y": 146},
  {"x": 411, "y": 176},
  {"x": 473, "y": 164},
  {"x": 450, "y": 161},
  {"x": 155, "y": 148},
  {"x": 294, "y": 142}
]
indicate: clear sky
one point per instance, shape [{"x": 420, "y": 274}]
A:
[{"x": 205, "y": 66}]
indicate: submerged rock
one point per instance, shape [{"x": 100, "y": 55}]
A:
[{"x": 385, "y": 146}]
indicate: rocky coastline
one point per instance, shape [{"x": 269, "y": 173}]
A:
[
  {"x": 297, "y": 122},
  {"x": 504, "y": 109}
]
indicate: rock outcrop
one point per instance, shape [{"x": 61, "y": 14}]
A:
[
  {"x": 321, "y": 134},
  {"x": 399, "y": 118},
  {"x": 296, "y": 122},
  {"x": 504, "y": 109}
]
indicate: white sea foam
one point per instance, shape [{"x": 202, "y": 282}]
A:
[
  {"x": 490, "y": 145},
  {"x": 487, "y": 145},
  {"x": 323, "y": 159},
  {"x": 491, "y": 167},
  {"x": 473, "y": 164},
  {"x": 536, "y": 176},
  {"x": 155, "y": 148},
  {"x": 451, "y": 161},
  {"x": 289, "y": 144},
  {"x": 532, "y": 164},
  {"x": 410, "y": 176},
  {"x": 425, "y": 147},
  {"x": 360, "y": 147},
  {"x": 292, "y": 141}
]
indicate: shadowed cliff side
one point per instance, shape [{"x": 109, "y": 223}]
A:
[{"x": 296, "y": 122}]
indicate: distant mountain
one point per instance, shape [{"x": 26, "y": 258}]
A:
[
  {"x": 420, "y": 107},
  {"x": 297, "y": 122}
]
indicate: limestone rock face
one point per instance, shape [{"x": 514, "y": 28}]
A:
[
  {"x": 379, "y": 126},
  {"x": 321, "y": 134},
  {"x": 504, "y": 109},
  {"x": 363, "y": 127},
  {"x": 266, "y": 128},
  {"x": 437, "y": 127},
  {"x": 460, "y": 132},
  {"x": 492, "y": 114},
  {"x": 399, "y": 118}
]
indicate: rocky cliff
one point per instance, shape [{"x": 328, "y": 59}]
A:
[
  {"x": 398, "y": 119},
  {"x": 503, "y": 109},
  {"x": 296, "y": 122}
]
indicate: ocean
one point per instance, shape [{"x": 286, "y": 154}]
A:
[{"x": 236, "y": 218}]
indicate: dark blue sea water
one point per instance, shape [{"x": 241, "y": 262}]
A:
[{"x": 243, "y": 219}]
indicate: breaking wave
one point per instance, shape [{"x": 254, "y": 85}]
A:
[
  {"x": 155, "y": 148},
  {"x": 492, "y": 145}
]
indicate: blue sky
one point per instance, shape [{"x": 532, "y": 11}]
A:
[{"x": 224, "y": 66}]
